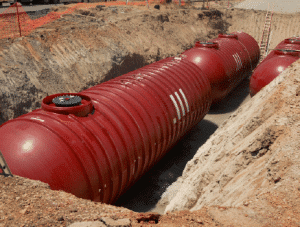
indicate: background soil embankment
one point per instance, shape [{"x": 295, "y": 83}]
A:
[
  {"x": 252, "y": 22},
  {"x": 282, "y": 6}
]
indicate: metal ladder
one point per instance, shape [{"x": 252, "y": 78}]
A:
[
  {"x": 4, "y": 167},
  {"x": 266, "y": 35}
]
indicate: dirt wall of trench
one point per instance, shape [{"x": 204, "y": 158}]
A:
[{"x": 253, "y": 21}]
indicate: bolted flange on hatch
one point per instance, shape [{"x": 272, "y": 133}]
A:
[{"x": 68, "y": 103}]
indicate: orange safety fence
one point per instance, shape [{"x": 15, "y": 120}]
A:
[{"x": 15, "y": 22}]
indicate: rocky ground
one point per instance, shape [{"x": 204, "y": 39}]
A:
[{"x": 91, "y": 46}]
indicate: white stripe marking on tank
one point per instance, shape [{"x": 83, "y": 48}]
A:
[
  {"x": 235, "y": 61},
  {"x": 176, "y": 106},
  {"x": 181, "y": 104},
  {"x": 239, "y": 59},
  {"x": 185, "y": 100},
  {"x": 241, "y": 62},
  {"x": 238, "y": 62}
]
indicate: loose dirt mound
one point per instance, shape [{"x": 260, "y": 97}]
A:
[{"x": 251, "y": 160}]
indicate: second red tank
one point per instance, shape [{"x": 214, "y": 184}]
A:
[
  {"x": 225, "y": 60},
  {"x": 285, "y": 53},
  {"x": 292, "y": 43}
]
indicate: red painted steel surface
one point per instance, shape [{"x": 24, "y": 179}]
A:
[
  {"x": 275, "y": 63},
  {"x": 97, "y": 147},
  {"x": 136, "y": 118},
  {"x": 270, "y": 69},
  {"x": 226, "y": 60},
  {"x": 287, "y": 44}
]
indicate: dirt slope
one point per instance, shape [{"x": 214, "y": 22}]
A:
[
  {"x": 282, "y": 6},
  {"x": 252, "y": 22},
  {"x": 29, "y": 203},
  {"x": 252, "y": 159}
]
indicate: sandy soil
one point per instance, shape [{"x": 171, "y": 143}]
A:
[
  {"x": 24, "y": 202},
  {"x": 252, "y": 22},
  {"x": 91, "y": 46}
]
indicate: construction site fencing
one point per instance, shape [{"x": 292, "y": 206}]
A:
[{"x": 15, "y": 22}]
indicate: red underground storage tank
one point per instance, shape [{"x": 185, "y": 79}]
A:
[
  {"x": 225, "y": 61},
  {"x": 285, "y": 53},
  {"x": 287, "y": 44},
  {"x": 97, "y": 143}
]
